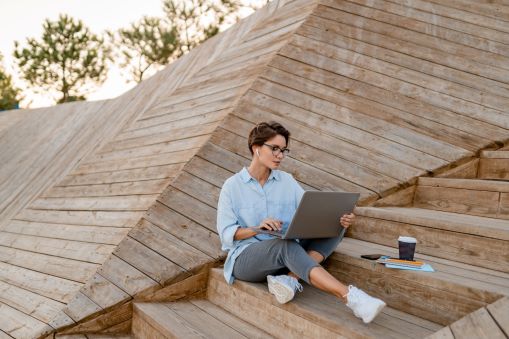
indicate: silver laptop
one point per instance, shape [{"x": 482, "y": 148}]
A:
[{"x": 318, "y": 215}]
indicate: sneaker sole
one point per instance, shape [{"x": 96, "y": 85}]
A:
[
  {"x": 377, "y": 311},
  {"x": 282, "y": 293}
]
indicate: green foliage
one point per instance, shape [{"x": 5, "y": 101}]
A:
[
  {"x": 9, "y": 95},
  {"x": 154, "y": 41},
  {"x": 145, "y": 43},
  {"x": 68, "y": 59},
  {"x": 197, "y": 20}
]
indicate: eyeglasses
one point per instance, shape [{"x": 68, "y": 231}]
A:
[{"x": 276, "y": 150}]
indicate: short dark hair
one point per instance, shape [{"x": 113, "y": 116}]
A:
[{"x": 265, "y": 131}]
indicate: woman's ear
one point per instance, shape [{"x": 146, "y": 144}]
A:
[{"x": 258, "y": 152}]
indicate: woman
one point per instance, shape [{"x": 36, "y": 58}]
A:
[{"x": 263, "y": 197}]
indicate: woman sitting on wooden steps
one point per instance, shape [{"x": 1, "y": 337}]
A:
[{"x": 264, "y": 196}]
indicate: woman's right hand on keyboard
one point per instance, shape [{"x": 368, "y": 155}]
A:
[{"x": 271, "y": 224}]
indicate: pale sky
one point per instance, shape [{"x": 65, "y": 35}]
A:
[{"x": 20, "y": 19}]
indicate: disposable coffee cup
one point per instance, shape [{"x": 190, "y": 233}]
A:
[{"x": 406, "y": 248}]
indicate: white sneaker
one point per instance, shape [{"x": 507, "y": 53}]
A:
[
  {"x": 283, "y": 287},
  {"x": 363, "y": 305}
]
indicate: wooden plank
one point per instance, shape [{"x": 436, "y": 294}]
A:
[
  {"x": 131, "y": 175},
  {"x": 37, "y": 306},
  {"x": 470, "y": 184},
  {"x": 457, "y": 200},
  {"x": 503, "y": 210},
  {"x": 329, "y": 20},
  {"x": 158, "y": 138},
  {"x": 462, "y": 247},
  {"x": 194, "y": 317},
  {"x": 481, "y": 226},
  {"x": 141, "y": 162},
  {"x": 360, "y": 96},
  {"x": 114, "y": 317},
  {"x": 499, "y": 311},
  {"x": 329, "y": 32},
  {"x": 141, "y": 328},
  {"x": 495, "y": 154},
  {"x": 207, "y": 171},
  {"x": 183, "y": 228},
  {"x": 77, "y": 250},
  {"x": 197, "y": 188},
  {"x": 20, "y": 325},
  {"x": 444, "y": 333},
  {"x": 125, "y": 276},
  {"x": 385, "y": 24},
  {"x": 229, "y": 319},
  {"x": 170, "y": 247},
  {"x": 75, "y": 270},
  {"x": 492, "y": 11},
  {"x": 403, "y": 198},
  {"x": 93, "y": 234},
  {"x": 207, "y": 113},
  {"x": 117, "y": 330},
  {"x": 103, "y": 293},
  {"x": 81, "y": 307},
  {"x": 493, "y": 169},
  {"x": 117, "y": 203},
  {"x": 373, "y": 63},
  {"x": 149, "y": 262},
  {"x": 45, "y": 285},
  {"x": 489, "y": 115},
  {"x": 113, "y": 189},
  {"x": 190, "y": 207},
  {"x": 4, "y": 335},
  {"x": 478, "y": 324},
  {"x": 91, "y": 218},
  {"x": 192, "y": 285},
  {"x": 172, "y": 146},
  {"x": 490, "y": 36},
  {"x": 155, "y": 320},
  {"x": 467, "y": 170}
]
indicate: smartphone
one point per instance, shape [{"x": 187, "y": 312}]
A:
[{"x": 371, "y": 256}]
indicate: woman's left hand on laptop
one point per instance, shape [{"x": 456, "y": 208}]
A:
[{"x": 347, "y": 220}]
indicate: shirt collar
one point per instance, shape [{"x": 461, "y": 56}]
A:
[{"x": 246, "y": 177}]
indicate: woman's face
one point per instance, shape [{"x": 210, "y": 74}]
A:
[{"x": 270, "y": 153}]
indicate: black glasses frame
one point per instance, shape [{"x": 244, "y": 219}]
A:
[{"x": 276, "y": 150}]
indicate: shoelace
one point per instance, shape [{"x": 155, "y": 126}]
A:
[{"x": 295, "y": 284}]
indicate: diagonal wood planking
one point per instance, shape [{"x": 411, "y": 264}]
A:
[{"x": 375, "y": 93}]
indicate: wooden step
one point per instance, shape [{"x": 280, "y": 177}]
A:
[
  {"x": 494, "y": 165},
  {"x": 312, "y": 313},
  {"x": 464, "y": 238},
  {"x": 468, "y": 196},
  {"x": 444, "y": 296},
  {"x": 488, "y": 322},
  {"x": 197, "y": 318}
]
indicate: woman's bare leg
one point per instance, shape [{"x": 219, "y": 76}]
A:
[{"x": 322, "y": 279}]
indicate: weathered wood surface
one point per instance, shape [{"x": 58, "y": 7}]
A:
[
  {"x": 451, "y": 292},
  {"x": 470, "y": 239},
  {"x": 493, "y": 168},
  {"x": 375, "y": 93},
  {"x": 315, "y": 310}
]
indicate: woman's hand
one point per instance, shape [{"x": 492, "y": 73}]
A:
[
  {"x": 347, "y": 220},
  {"x": 271, "y": 224}
]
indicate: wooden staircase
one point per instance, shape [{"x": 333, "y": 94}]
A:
[{"x": 462, "y": 227}]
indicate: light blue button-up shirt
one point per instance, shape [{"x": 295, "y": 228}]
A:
[{"x": 243, "y": 202}]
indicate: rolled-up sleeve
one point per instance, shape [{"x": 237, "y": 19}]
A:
[{"x": 227, "y": 223}]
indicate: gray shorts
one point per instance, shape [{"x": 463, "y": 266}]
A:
[{"x": 278, "y": 256}]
